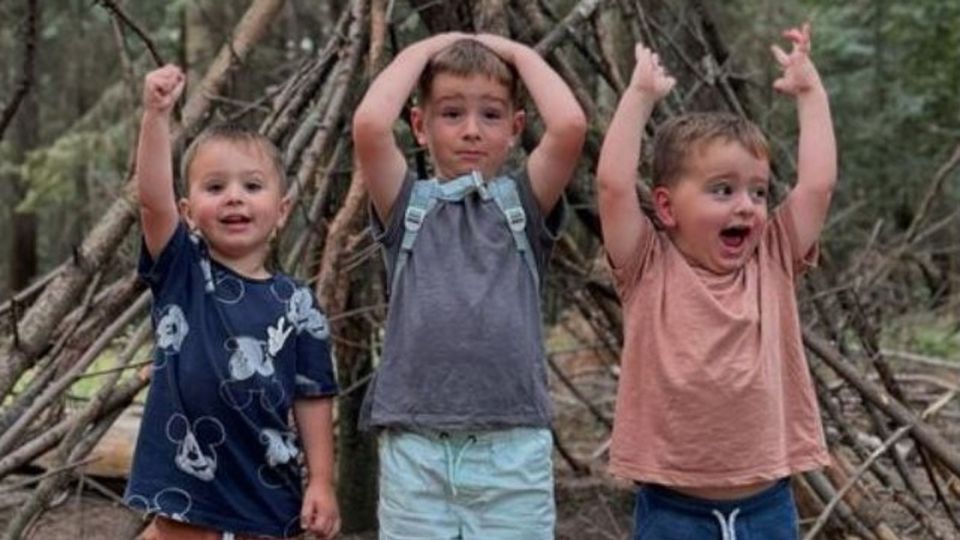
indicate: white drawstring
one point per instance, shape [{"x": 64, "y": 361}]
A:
[
  {"x": 453, "y": 465},
  {"x": 727, "y": 528}
]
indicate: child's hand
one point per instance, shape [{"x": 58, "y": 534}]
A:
[
  {"x": 320, "y": 513},
  {"x": 799, "y": 73},
  {"x": 649, "y": 77},
  {"x": 503, "y": 47},
  {"x": 438, "y": 42},
  {"x": 162, "y": 87}
]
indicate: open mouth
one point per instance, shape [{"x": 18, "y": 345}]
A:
[
  {"x": 734, "y": 237},
  {"x": 235, "y": 220}
]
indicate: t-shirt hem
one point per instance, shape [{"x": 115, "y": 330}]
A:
[
  {"x": 221, "y": 524},
  {"x": 446, "y": 421},
  {"x": 716, "y": 479},
  {"x": 315, "y": 393}
]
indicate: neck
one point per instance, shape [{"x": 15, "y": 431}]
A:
[{"x": 250, "y": 265}]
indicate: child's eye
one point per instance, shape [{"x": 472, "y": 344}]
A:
[
  {"x": 721, "y": 189},
  {"x": 759, "y": 193},
  {"x": 253, "y": 185},
  {"x": 452, "y": 114},
  {"x": 213, "y": 187},
  {"x": 492, "y": 114}
]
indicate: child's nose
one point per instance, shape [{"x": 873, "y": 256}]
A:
[
  {"x": 745, "y": 203},
  {"x": 471, "y": 126},
  {"x": 234, "y": 193}
]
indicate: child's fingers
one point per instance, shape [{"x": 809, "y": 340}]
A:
[
  {"x": 781, "y": 85},
  {"x": 782, "y": 57},
  {"x": 642, "y": 52},
  {"x": 800, "y": 37},
  {"x": 308, "y": 515}
]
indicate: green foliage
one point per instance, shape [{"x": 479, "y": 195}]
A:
[
  {"x": 929, "y": 336},
  {"x": 53, "y": 172}
]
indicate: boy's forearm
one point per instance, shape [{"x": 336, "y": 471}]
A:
[
  {"x": 620, "y": 153},
  {"x": 315, "y": 422},
  {"x": 384, "y": 101},
  {"x": 817, "y": 153},
  {"x": 559, "y": 109},
  {"x": 154, "y": 168}
]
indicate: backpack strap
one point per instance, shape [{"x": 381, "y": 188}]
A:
[
  {"x": 422, "y": 200},
  {"x": 504, "y": 192}
]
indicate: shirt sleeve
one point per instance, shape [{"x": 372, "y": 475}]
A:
[
  {"x": 626, "y": 276},
  {"x": 389, "y": 232},
  {"x": 173, "y": 257},
  {"x": 316, "y": 374},
  {"x": 782, "y": 245}
]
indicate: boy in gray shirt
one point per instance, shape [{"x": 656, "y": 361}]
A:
[{"x": 461, "y": 394}]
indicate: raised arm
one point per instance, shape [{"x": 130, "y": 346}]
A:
[
  {"x": 382, "y": 165},
  {"x": 158, "y": 207},
  {"x": 621, "y": 218},
  {"x": 552, "y": 163},
  {"x": 817, "y": 156}
]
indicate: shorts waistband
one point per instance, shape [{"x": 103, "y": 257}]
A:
[{"x": 772, "y": 496}]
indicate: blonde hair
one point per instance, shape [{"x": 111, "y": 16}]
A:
[
  {"x": 467, "y": 57},
  {"x": 680, "y": 136},
  {"x": 237, "y": 134}
]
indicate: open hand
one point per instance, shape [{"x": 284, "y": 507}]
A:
[
  {"x": 162, "y": 87},
  {"x": 320, "y": 513},
  {"x": 648, "y": 75},
  {"x": 799, "y": 73}
]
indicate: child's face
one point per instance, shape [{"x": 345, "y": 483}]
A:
[
  {"x": 234, "y": 200},
  {"x": 468, "y": 123},
  {"x": 716, "y": 210}
]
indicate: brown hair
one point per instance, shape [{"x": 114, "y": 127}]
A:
[
  {"x": 467, "y": 57},
  {"x": 678, "y": 137},
  {"x": 237, "y": 134}
]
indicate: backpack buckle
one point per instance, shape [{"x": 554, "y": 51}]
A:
[
  {"x": 479, "y": 184},
  {"x": 413, "y": 219},
  {"x": 516, "y": 219}
]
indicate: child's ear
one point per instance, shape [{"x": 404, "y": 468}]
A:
[
  {"x": 416, "y": 121},
  {"x": 519, "y": 121},
  {"x": 184, "y": 205},
  {"x": 285, "y": 205},
  {"x": 663, "y": 206}
]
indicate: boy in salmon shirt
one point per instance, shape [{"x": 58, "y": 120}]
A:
[{"x": 716, "y": 408}]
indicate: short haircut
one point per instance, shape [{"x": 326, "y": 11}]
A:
[
  {"x": 467, "y": 57},
  {"x": 237, "y": 134},
  {"x": 679, "y": 137}
]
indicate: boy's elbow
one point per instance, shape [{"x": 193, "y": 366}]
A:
[
  {"x": 575, "y": 124},
  {"x": 366, "y": 125},
  {"x": 572, "y": 130}
]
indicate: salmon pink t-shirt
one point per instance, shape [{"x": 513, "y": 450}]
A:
[{"x": 714, "y": 388}]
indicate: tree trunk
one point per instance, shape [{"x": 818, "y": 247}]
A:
[{"x": 23, "y": 223}]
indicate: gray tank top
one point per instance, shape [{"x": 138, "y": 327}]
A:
[{"x": 464, "y": 344}]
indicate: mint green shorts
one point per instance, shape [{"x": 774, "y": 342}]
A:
[{"x": 490, "y": 485}]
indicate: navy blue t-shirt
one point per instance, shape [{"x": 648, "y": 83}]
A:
[{"x": 216, "y": 445}]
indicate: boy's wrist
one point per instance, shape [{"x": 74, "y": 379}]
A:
[
  {"x": 813, "y": 95},
  {"x": 320, "y": 480},
  {"x": 155, "y": 115}
]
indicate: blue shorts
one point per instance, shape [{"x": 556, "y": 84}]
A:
[
  {"x": 484, "y": 485},
  {"x": 664, "y": 514}
]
